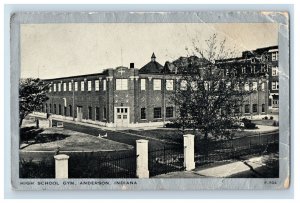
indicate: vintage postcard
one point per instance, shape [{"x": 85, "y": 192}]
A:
[{"x": 150, "y": 101}]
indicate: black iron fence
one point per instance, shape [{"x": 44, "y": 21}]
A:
[
  {"x": 103, "y": 165},
  {"x": 165, "y": 160},
  {"x": 207, "y": 152}
]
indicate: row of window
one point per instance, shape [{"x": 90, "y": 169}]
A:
[
  {"x": 68, "y": 111},
  {"x": 157, "y": 112},
  {"x": 64, "y": 87},
  {"x": 122, "y": 84},
  {"x": 254, "y": 108}
]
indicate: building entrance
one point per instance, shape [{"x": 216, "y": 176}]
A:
[
  {"x": 121, "y": 116},
  {"x": 79, "y": 113}
]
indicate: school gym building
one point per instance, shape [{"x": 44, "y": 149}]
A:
[{"x": 130, "y": 97}]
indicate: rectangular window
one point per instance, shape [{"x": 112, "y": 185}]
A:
[
  {"x": 104, "y": 112},
  {"x": 82, "y": 86},
  {"x": 143, "y": 113},
  {"x": 206, "y": 85},
  {"x": 275, "y": 56},
  {"x": 97, "y": 85},
  {"x": 59, "y": 87},
  {"x": 157, "y": 84},
  {"x": 90, "y": 113},
  {"x": 274, "y": 71},
  {"x": 169, "y": 85},
  {"x": 104, "y": 85},
  {"x": 194, "y": 85},
  {"x": 70, "y": 110},
  {"x": 247, "y": 108},
  {"x": 59, "y": 110},
  {"x": 89, "y": 85},
  {"x": 228, "y": 85},
  {"x": 143, "y": 84},
  {"x": 275, "y": 85},
  {"x": 70, "y": 86},
  {"x": 169, "y": 112},
  {"x": 254, "y": 108},
  {"x": 183, "y": 85},
  {"x": 65, "y": 87},
  {"x": 254, "y": 85},
  {"x": 237, "y": 86},
  {"x": 121, "y": 84},
  {"x": 76, "y": 86},
  {"x": 244, "y": 70},
  {"x": 263, "y": 108},
  {"x": 50, "y": 88},
  {"x": 97, "y": 113},
  {"x": 263, "y": 86},
  {"x": 246, "y": 86},
  {"x": 157, "y": 112}
]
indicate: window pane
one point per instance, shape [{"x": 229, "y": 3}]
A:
[
  {"x": 157, "y": 112},
  {"x": 143, "y": 113},
  {"x": 169, "y": 112},
  {"x": 246, "y": 86},
  {"x": 183, "y": 85},
  {"x": 65, "y": 87},
  {"x": 76, "y": 86},
  {"x": 247, "y": 110},
  {"x": 156, "y": 84},
  {"x": 104, "y": 85},
  {"x": 254, "y": 85},
  {"x": 121, "y": 84},
  {"x": 169, "y": 85},
  {"x": 89, "y": 85},
  {"x": 96, "y": 85},
  {"x": 70, "y": 86},
  {"x": 254, "y": 108},
  {"x": 82, "y": 85},
  {"x": 143, "y": 84}
]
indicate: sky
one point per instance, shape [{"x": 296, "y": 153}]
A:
[{"x": 61, "y": 50}]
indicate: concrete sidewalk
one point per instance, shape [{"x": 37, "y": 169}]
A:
[{"x": 221, "y": 171}]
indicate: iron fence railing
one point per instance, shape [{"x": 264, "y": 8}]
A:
[{"x": 165, "y": 160}]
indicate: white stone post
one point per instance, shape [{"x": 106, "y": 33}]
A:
[
  {"x": 142, "y": 170},
  {"x": 61, "y": 166},
  {"x": 188, "y": 144}
]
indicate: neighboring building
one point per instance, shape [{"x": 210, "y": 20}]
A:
[
  {"x": 269, "y": 57},
  {"x": 130, "y": 97}
]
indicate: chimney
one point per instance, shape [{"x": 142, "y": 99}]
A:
[{"x": 131, "y": 65}]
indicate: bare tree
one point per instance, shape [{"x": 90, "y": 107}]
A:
[{"x": 212, "y": 89}]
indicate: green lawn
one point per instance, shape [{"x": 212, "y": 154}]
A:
[{"x": 69, "y": 140}]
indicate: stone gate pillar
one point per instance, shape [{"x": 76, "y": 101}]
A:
[
  {"x": 189, "y": 155},
  {"x": 142, "y": 170},
  {"x": 61, "y": 166}
]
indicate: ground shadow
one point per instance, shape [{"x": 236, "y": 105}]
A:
[{"x": 33, "y": 135}]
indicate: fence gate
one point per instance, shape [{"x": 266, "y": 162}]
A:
[{"x": 165, "y": 160}]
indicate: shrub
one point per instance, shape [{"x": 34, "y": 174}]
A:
[
  {"x": 248, "y": 124},
  {"x": 266, "y": 117},
  {"x": 173, "y": 125},
  {"x": 271, "y": 118}
]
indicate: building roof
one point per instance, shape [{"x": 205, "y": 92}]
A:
[{"x": 152, "y": 67}]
